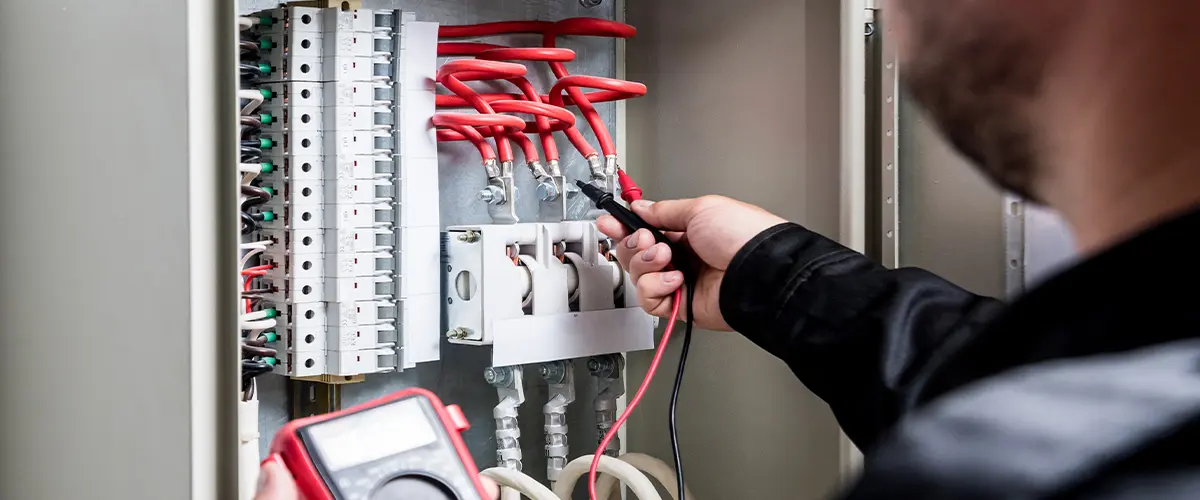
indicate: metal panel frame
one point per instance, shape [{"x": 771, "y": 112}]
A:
[{"x": 118, "y": 208}]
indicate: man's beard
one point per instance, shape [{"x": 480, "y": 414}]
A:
[{"x": 975, "y": 78}]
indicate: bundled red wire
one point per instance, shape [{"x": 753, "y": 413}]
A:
[{"x": 608, "y": 89}]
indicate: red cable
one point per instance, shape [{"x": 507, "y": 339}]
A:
[
  {"x": 464, "y": 124},
  {"x": 531, "y": 94},
  {"x": 587, "y": 27},
  {"x": 637, "y": 397},
  {"x": 572, "y": 83},
  {"x": 550, "y": 31},
  {"x": 453, "y": 101},
  {"x": 452, "y": 75},
  {"x": 447, "y": 49}
]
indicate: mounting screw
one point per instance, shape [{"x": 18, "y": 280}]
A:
[
  {"x": 469, "y": 237},
  {"x": 607, "y": 366},
  {"x": 554, "y": 372},
  {"x": 492, "y": 194},
  {"x": 547, "y": 191},
  {"x": 458, "y": 333},
  {"x": 590, "y": 3},
  {"x": 498, "y": 377}
]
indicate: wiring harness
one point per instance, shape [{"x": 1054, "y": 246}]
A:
[
  {"x": 486, "y": 62},
  {"x": 257, "y": 322},
  {"x": 496, "y": 63}
]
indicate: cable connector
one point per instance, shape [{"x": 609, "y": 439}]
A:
[{"x": 630, "y": 192}]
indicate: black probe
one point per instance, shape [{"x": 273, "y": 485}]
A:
[{"x": 605, "y": 201}]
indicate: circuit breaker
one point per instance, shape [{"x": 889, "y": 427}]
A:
[{"x": 356, "y": 216}]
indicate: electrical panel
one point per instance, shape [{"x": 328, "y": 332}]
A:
[{"x": 350, "y": 266}]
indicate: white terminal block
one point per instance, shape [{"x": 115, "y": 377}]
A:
[
  {"x": 540, "y": 292},
  {"x": 359, "y": 280}
]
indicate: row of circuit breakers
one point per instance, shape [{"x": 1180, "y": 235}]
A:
[{"x": 364, "y": 273}]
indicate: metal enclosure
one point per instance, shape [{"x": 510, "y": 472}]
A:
[
  {"x": 117, "y": 206},
  {"x": 747, "y": 106}
]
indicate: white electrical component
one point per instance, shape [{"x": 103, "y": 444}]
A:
[
  {"x": 540, "y": 292},
  {"x": 356, "y": 171}
]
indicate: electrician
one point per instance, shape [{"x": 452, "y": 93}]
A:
[{"x": 1086, "y": 387}]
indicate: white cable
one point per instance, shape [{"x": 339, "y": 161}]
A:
[
  {"x": 258, "y": 325},
  {"x": 250, "y": 168},
  {"x": 255, "y": 97},
  {"x": 250, "y": 255},
  {"x": 642, "y": 488},
  {"x": 520, "y": 482},
  {"x": 245, "y": 23},
  {"x": 252, "y": 245},
  {"x": 256, "y": 315},
  {"x": 655, "y": 468}
]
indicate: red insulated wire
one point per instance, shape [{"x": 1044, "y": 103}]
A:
[
  {"x": 492, "y": 29},
  {"x": 557, "y": 119},
  {"x": 572, "y": 83},
  {"x": 464, "y": 124},
  {"x": 447, "y": 49},
  {"x": 453, "y": 101},
  {"x": 550, "y": 32},
  {"x": 530, "y": 93},
  {"x": 637, "y": 397},
  {"x": 587, "y": 27},
  {"x": 452, "y": 75}
]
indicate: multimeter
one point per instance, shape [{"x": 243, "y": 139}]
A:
[{"x": 405, "y": 446}]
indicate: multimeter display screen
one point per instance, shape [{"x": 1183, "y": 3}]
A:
[{"x": 370, "y": 435}]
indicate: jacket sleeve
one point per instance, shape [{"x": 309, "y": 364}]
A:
[{"x": 860, "y": 336}]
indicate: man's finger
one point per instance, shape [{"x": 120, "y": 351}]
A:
[
  {"x": 669, "y": 215},
  {"x": 653, "y": 259},
  {"x": 634, "y": 244},
  {"x": 655, "y": 291},
  {"x": 275, "y": 482},
  {"x": 492, "y": 490},
  {"x": 611, "y": 228}
]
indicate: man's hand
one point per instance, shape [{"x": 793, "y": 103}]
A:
[
  {"x": 714, "y": 227},
  {"x": 276, "y": 483}
]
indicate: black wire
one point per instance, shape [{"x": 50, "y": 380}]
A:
[
  {"x": 255, "y": 196},
  {"x": 251, "y": 369},
  {"x": 252, "y": 144},
  {"x": 249, "y": 225},
  {"x": 253, "y": 123},
  {"x": 690, "y": 283},
  {"x": 248, "y": 48},
  {"x": 250, "y": 155}
]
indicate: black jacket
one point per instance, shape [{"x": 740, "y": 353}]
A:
[{"x": 1086, "y": 387}]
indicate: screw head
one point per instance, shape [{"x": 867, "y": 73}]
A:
[
  {"x": 498, "y": 377},
  {"x": 457, "y": 333},
  {"x": 590, "y": 3},
  {"x": 492, "y": 194},
  {"x": 547, "y": 191}
]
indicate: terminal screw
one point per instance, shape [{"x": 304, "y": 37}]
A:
[
  {"x": 469, "y": 237},
  {"x": 607, "y": 366},
  {"x": 554, "y": 372},
  {"x": 458, "y": 333},
  {"x": 498, "y": 377},
  {"x": 492, "y": 195},
  {"x": 547, "y": 191}
]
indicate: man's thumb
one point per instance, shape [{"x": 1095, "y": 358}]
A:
[
  {"x": 668, "y": 215},
  {"x": 275, "y": 482}
]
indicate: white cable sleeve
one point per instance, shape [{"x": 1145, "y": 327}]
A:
[
  {"x": 655, "y": 468},
  {"x": 520, "y": 482},
  {"x": 642, "y": 488},
  {"x": 258, "y": 325}
]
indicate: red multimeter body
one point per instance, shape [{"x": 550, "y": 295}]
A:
[{"x": 403, "y": 446}]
